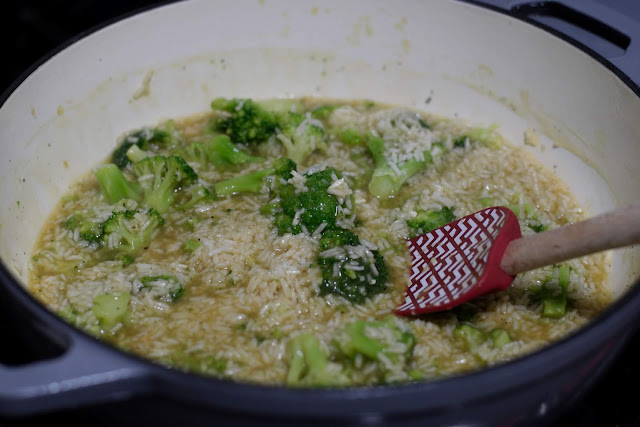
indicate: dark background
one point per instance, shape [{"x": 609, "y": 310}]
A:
[{"x": 31, "y": 29}]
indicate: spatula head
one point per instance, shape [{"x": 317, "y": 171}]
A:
[{"x": 459, "y": 261}]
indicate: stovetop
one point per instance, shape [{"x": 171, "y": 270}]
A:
[{"x": 33, "y": 28}]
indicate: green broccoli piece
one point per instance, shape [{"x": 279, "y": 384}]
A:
[
  {"x": 471, "y": 336},
  {"x": 353, "y": 272},
  {"x": 252, "y": 183},
  {"x": 198, "y": 195},
  {"x": 162, "y": 177},
  {"x": 221, "y": 152},
  {"x": 125, "y": 259},
  {"x": 194, "y": 153},
  {"x": 552, "y": 294},
  {"x": 243, "y": 120},
  {"x": 89, "y": 230},
  {"x": 350, "y": 136},
  {"x": 387, "y": 343},
  {"x": 426, "y": 221},
  {"x": 111, "y": 309},
  {"x": 554, "y": 303},
  {"x": 499, "y": 337},
  {"x": 337, "y": 237},
  {"x": 322, "y": 179},
  {"x": 130, "y": 231},
  {"x": 164, "y": 287},
  {"x": 114, "y": 184},
  {"x": 323, "y": 112},
  {"x": 135, "y": 154},
  {"x": 386, "y": 180},
  {"x": 143, "y": 139},
  {"x": 309, "y": 364},
  {"x": 281, "y": 106},
  {"x": 389, "y": 175},
  {"x": 319, "y": 207},
  {"x": 191, "y": 245},
  {"x": 296, "y": 209},
  {"x": 531, "y": 219},
  {"x": 301, "y": 135},
  {"x": 483, "y": 135}
]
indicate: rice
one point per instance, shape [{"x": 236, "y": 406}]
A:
[{"x": 249, "y": 290}]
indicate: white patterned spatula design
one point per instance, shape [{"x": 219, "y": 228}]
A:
[{"x": 482, "y": 253}]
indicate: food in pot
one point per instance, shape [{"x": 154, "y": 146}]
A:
[{"x": 265, "y": 241}]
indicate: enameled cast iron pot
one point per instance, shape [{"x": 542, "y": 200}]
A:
[{"x": 447, "y": 57}]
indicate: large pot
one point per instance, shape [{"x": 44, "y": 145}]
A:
[{"x": 470, "y": 61}]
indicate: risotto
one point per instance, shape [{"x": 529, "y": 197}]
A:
[{"x": 265, "y": 241}]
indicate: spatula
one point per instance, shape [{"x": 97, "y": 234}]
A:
[{"x": 483, "y": 252}]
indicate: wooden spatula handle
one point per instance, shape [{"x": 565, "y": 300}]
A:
[{"x": 606, "y": 231}]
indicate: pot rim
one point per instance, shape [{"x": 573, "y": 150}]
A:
[{"x": 624, "y": 311}]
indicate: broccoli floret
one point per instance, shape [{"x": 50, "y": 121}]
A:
[
  {"x": 322, "y": 179},
  {"x": 198, "y": 195},
  {"x": 114, "y": 184},
  {"x": 309, "y": 364},
  {"x": 164, "y": 287},
  {"x": 393, "y": 165},
  {"x": 111, "y": 309},
  {"x": 319, "y": 207},
  {"x": 387, "y": 343},
  {"x": 194, "y": 153},
  {"x": 301, "y": 135},
  {"x": 143, "y": 139},
  {"x": 131, "y": 231},
  {"x": 337, "y": 237},
  {"x": 89, "y": 230},
  {"x": 161, "y": 177},
  {"x": 307, "y": 204},
  {"x": 243, "y": 120},
  {"x": 386, "y": 179},
  {"x": 353, "y": 272},
  {"x": 426, "y": 221},
  {"x": 221, "y": 152},
  {"x": 252, "y": 183}
]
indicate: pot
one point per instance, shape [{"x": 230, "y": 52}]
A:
[{"x": 447, "y": 57}]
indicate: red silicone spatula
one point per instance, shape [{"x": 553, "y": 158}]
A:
[{"x": 482, "y": 253}]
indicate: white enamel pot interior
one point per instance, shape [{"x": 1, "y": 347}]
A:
[{"x": 446, "y": 57}]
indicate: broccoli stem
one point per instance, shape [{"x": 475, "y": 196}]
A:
[
  {"x": 114, "y": 185},
  {"x": 471, "y": 336},
  {"x": 500, "y": 337},
  {"x": 387, "y": 180},
  {"x": 555, "y": 306},
  {"x": 360, "y": 342},
  {"x": 110, "y": 309},
  {"x": 251, "y": 183},
  {"x": 221, "y": 151},
  {"x": 308, "y": 363}
]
